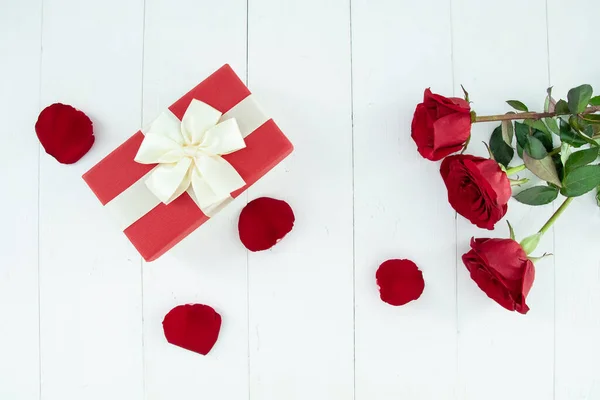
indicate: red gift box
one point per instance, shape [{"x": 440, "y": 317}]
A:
[{"x": 116, "y": 179}]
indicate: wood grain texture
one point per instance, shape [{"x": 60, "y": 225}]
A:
[
  {"x": 20, "y": 36},
  {"x": 400, "y": 209},
  {"x": 303, "y": 320},
  {"x": 577, "y": 300},
  {"x": 185, "y": 41},
  {"x": 300, "y": 292},
  {"x": 495, "y": 345},
  {"x": 90, "y": 283}
]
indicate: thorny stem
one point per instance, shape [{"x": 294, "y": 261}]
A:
[{"x": 527, "y": 115}]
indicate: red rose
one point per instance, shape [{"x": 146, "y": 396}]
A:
[
  {"x": 441, "y": 125},
  {"x": 477, "y": 188},
  {"x": 502, "y": 270}
]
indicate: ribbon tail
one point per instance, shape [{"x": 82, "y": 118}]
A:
[
  {"x": 204, "y": 196},
  {"x": 219, "y": 175},
  {"x": 212, "y": 209}
]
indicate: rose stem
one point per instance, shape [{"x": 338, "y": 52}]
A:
[
  {"x": 519, "y": 168},
  {"x": 527, "y": 115},
  {"x": 556, "y": 214}
]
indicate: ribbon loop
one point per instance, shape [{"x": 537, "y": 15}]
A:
[{"x": 188, "y": 154}]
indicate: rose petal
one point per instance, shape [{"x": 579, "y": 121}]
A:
[
  {"x": 65, "y": 132},
  {"x": 400, "y": 281},
  {"x": 264, "y": 222},
  {"x": 194, "y": 327}
]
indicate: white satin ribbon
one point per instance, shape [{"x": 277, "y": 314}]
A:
[
  {"x": 188, "y": 154},
  {"x": 137, "y": 200}
]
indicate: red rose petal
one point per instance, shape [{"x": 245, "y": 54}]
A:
[
  {"x": 65, "y": 132},
  {"x": 400, "y": 281},
  {"x": 194, "y": 327},
  {"x": 264, "y": 222}
]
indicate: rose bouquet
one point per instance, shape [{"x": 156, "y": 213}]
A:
[{"x": 559, "y": 146}]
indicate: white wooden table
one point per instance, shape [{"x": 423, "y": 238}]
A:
[{"x": 80, "y": 313}]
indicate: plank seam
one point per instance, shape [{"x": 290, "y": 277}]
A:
[
  {"x": 353, "y": 208},
  {"x": 456, "y": 251},
  {"x": 553, "y": 232},
  {"x": 141, "y": 258},
  {"x": 247, "y": 198},
  {"x": 38, "y": 205}
]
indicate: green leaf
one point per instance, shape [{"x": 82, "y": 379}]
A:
[
  {"x": 491, "y": 155},
  {"x": 544, "y": 169},
  {"x": 568, "y": 135},
  {"x": 545, "y": 138},
  {"x": 530, "y": 243},
  {"x": 536, "y": 259},
  {"x": 578, "y": 98},
  {"x": 549, "y": 103},
  {"x": 519, "y": 151},
  {"x": 565, "y": 152},
  {"x": 581, "y": 180},
  {"x": 581, "y": 158},
  {"x": 591, "y": 118},
  {"x": 511, "y": 230},
  {"x": 537, "y": 195},
  {"x": 508, "y": 131},
  {"x": 598, "y": 196},
  {"x": 587, "y": 137},
  {"x": 522, "y": 133},
  {"x": 537, "y": 124},
  {"x": 576, "y": 123},
  {"x": 517, "y": 105},
  {"x": 560, "y": 167},
  {"x": 552, "y": 125},
  {"x": 595, "y": 101},
  {"x": 535, "y": 148},
  {"x": 561, "y": 107},
  {"x": 465, "y": 93},
  {"x": 502, "y": 152}
]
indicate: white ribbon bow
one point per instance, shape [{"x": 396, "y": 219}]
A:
[{"x": 189, "y": 154}]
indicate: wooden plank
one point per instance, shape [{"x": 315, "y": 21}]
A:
[
  {"x": 185, "y": 41},
  {"x": 496, "y": 61},
  {"x": 400, "y": 211},
  {"x": 90, "y": 282},
  {"x": 20, "y": 27},
  {"x": 300, "y": 292},
  {"x": 576, "y": 233}
]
